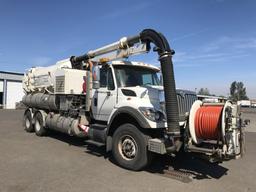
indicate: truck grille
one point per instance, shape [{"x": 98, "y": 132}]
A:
[
  {"x": 60, "y": 84},
  {"x": 185, "y": 101}
]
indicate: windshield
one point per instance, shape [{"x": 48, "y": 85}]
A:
[{"x": 131, "y": 76}]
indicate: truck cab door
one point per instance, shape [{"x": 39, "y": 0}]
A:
[{"x": 104, "y": 98}]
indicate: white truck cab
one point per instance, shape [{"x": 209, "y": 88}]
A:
[{"x": 128, "y": 84}]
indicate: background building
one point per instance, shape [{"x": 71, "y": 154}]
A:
[{"x": 10, "y": 89}]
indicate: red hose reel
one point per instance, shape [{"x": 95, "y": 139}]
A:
[{"x": 207, "y": 121}]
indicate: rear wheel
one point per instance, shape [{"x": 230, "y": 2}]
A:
[
  {"x": 27, "y": 122},
  {"x": 39, "y": 125},
  {"x": 130, "y": 147}
]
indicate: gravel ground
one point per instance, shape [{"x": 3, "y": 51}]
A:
[{"x": 61, "y": 163}]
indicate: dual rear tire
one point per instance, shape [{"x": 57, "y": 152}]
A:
[
  {"x": 27, "y": 121},
  {"x": 34, "y": 124},
  {"x": 39, "y": 125}
]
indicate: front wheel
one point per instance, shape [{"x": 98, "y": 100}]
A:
[{"x": 130, "y": 147}]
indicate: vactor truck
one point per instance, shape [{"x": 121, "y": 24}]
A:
[{"x": 126, "y": 106}]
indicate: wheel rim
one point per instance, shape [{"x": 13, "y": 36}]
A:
[
  {"x": 27, "y": 123},
  {"x": 127, "y": 147},
  {"x": 37, "y": 125}
]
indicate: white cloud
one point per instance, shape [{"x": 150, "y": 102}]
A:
[
  {"x": 126, "y": 10},
  {"x": 230, "y": 43},
  {"x": 188, "y": 35},
  {"x": 247, "y": 44},
  {"x": 222, "y": 50},
  {"x": 41, "y": 61}
]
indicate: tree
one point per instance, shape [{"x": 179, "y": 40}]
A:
[
  {"x": 204, "y": 91},
  {"x": 238, "y": 91}
]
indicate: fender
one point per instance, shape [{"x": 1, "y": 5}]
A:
[
  {"x": 141, "y": 120},
  {"x": 124, "y": 110}
]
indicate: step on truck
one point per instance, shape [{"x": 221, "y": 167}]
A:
[{"x": 133, "y": 109}]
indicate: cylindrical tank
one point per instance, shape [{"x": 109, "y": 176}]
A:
[
  {"x": 41, "y": 101},
  {"x": 63, "y": 124},
  {"x": 41, "y": 78}
]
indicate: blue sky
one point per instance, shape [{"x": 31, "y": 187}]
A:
[{"x": 214, "y": 40}]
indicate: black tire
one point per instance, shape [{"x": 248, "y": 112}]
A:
[
  {"x": 27, "y": 122},
  {"x": 126, "y": 138},
  {"x": 39, "y": 125}
]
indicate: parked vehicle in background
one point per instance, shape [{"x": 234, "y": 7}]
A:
[{"x": 244, "y": 103}]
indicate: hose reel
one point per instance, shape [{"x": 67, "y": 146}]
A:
[
  {"x": 219, "y": 122},
  {"x": 207, "y": 121}
]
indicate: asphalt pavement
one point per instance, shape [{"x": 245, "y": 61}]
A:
[{"x": 61, "y": 163}]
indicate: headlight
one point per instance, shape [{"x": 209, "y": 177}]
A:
[{"x": 152, "y": 114}]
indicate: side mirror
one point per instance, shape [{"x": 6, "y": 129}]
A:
[{"x": 95, "y": 77}]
